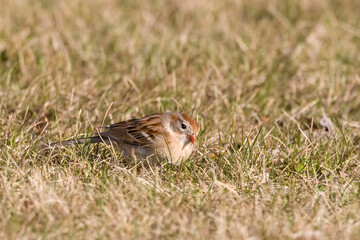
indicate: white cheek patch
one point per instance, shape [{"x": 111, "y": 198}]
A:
[{"x": 168, "y": 128}]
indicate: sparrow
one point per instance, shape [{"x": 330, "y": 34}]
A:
[{"x": 170, "y": 136}]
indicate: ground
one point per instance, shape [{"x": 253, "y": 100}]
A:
[{"x": 261, "y": 78}]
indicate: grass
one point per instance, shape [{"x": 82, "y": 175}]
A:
[{"x": 256, "y": 75}]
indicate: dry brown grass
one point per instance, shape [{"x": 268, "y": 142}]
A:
[{"x": 256, "y": 74}]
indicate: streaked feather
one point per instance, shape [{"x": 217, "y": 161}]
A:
[
  {"x": 139, "y": 132},
  {"x": 156, "y": 134}
]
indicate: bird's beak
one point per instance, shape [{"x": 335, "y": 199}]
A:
[{"x": 192, "y": 138}]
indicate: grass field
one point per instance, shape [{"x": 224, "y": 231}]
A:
[{"x": 257, "y": 75}]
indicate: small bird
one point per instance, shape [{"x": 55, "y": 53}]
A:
[{"x": 169, "y": 136}]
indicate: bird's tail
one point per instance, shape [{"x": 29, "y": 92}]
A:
[{"x": 95, "y": 139}]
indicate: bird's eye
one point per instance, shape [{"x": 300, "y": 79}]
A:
[{"x": 183, "y": 126}]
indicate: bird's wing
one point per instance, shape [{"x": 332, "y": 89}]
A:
[{"x": 139, "y": 132}]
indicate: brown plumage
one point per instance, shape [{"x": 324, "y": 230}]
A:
[{"x": 167, "y": 135}]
